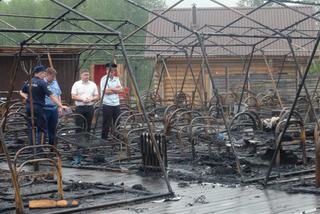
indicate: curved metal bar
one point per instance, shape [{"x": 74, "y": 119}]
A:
[
  {"x": 56, "y": 163},
  {"x": 54, "y": 149},
  {"x": 260, "y": 95},
  {"x": 169, "y": 119},
  {"x": 212, "y": 101},
  {"x": 20, "y": 106},
  {"x": 190, "y": 113},
  {"x": 241, "y": 114},
  {"x": 265, "y": 100},
  {"x": 192, "y": 125},
  {"x": 257, "y": 118},
  {"x": 121, "y": 115},
  {"x": 132, "y": 117},
  {"x": 278, "y": 131},
  {"x": 14, "y": 113},
  {"x": 255, "y": 99},
  {"x": 283, "y": 110},
  {"x": 73, "y": 116},
  {"x": 167, "y": 110},
  {"x": 295, "y": 115}
]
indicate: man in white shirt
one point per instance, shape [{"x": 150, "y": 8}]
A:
[
  {"x": 84, "y": 92},
  {"x": 110, "y": 99}
]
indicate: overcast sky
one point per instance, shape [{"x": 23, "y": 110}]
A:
[{"x": 201, "y": 3}]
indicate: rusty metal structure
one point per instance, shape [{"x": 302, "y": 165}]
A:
[{"x": 213, "y": 126}]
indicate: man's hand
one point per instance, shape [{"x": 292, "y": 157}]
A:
[
  {"x": 117, "y": 90},
  {"x": 59, "y": 111},
  {"x": 109, "y": 91},
  {"x": 64, "y": 107},
  {"x": 87, "y": 100},
  {"x": 23, "y": 95}
]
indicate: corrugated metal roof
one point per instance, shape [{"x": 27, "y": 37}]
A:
[{"x": 210, "y": 20}]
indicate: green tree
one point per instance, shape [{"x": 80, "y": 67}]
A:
[{"x": 251, "y": 3}]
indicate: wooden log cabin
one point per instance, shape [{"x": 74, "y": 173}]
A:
[
  {"x": 227, "y": 62},
  {"x": 64, "y": 60}
]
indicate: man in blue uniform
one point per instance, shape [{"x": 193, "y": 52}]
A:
[
  {"x": 51, "y": 109},
  {"x": 39, "y": 90}
]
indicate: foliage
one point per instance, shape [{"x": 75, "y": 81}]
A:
[
  {"x": 250, "y": 3},
  {"x": 315, "y": 66},
  {"x": 256, "y": 3}
]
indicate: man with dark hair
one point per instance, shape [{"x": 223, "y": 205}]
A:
[
  {"x": 111, "y": 86},
  {"x": 85, "y": 92},
  {"x": 38, "y": 90}
]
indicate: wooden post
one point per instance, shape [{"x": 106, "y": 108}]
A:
[
  {"x": 272, "y": 81},
  {"x": 50, "y": 60},
  {"x": 168, "y": 74}
]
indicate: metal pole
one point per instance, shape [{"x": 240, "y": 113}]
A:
[
  {"x": 189, "y": 66},
  {"x": 160, "y": 78},
  {"x": 281, "y": 70},
  {"x": 304, "y": 86},
  {"x": 15, "y": 182},
  {"x": 215, "y": 90},
  {"x": 246, "y": 78},
  {"x": 197, "y": 89},
  {"x": 280, "y": 137},
  {"x": 153, "y": 140},
  {"x": 313, "y": 94},
  {"x": 6, "y": 30}
]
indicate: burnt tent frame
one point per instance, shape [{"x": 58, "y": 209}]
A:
[
  {"x": 279, "y": 34},
  {"x": 198, "y": 45}
]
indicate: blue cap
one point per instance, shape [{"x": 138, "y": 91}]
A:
[{"x": 38, "y": 69}]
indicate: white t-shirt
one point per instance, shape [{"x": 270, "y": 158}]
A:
[
  {"x": 84, "y": 90},
  {"x": 110, "y": 99}
]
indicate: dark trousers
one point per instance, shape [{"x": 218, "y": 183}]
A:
[
  {"x": 39, "y": 123},
  {"x": 87, "y": 112},
  {"x": 52, "y": 121},
  {"x": 110, "y": 114}
]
